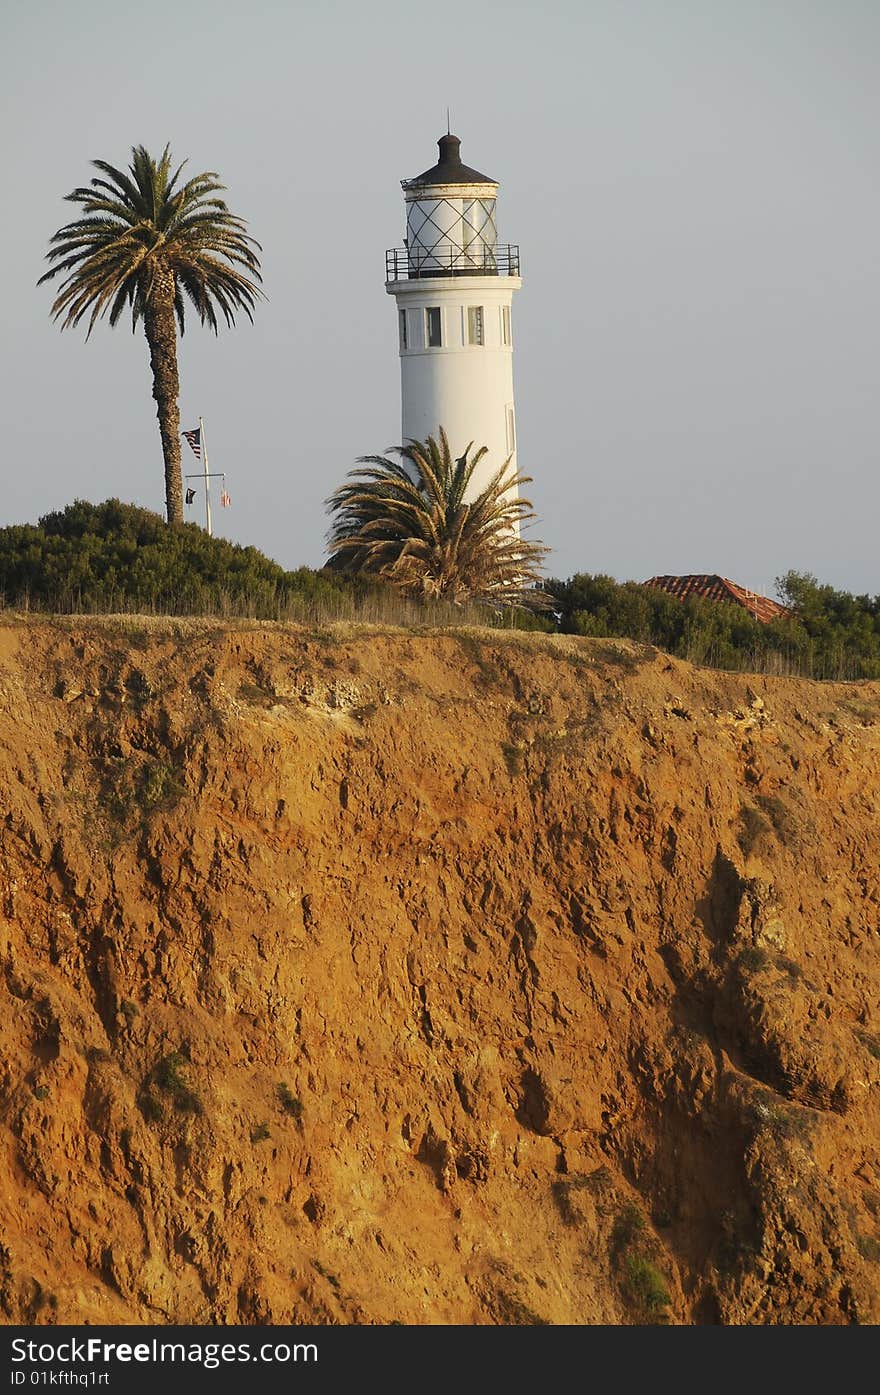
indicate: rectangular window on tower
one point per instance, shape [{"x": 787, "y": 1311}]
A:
[
  {"x": 475, "y": 324},
  {"x": 511, "y": 430},
  {"x": 505, "y": 326},
  {"x": 402, "y": 323},
  {"x": 433, "y": 336}
]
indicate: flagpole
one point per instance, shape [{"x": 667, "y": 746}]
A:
[{"x": 207, "y": 481}]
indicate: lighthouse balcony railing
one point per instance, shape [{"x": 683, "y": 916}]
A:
[{"x": 405, "y": 264}]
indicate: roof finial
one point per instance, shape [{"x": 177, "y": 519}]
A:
[{"x": 448, "y": 127}]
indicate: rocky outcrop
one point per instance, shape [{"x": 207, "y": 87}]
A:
[{"x": 373, "y": 976}]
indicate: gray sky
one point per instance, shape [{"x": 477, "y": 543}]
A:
[{"x": 694, "y": 188}]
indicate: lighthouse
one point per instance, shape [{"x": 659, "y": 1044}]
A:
[{"x": 453, "y": 283}]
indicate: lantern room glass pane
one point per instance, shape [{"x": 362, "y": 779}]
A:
[{"x": 449, "y": 234}]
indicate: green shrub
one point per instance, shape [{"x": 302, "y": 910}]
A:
[
  {"x": 289, "y": 1102},
  {"x": 780, "y": 817},
  {"x": 96, "y": 558},
  {"x": 752, "y": 959},
  {"x": 784, "y": 1121},
  {"x": 870, "y": 1042},
  {"x": 160, "y": 786},
  {"x": 260, "y": 1133},
  {"x": 644, "y": 1285},
  {"x": 515, "y": 1313},
  {"x": 790, "y": 967},
  {"x": 868, "y": 1248},
  {"x": 753, "y": 827},
  {"x": 325, "y": 1273},
  {"x": 628, "y": 1224},
  {"x": 255, "y": 695},
  {"x": 170, "y": 1079},
  {"x": 513, "y": 756},
  {"x": 151, "y": 1106}
]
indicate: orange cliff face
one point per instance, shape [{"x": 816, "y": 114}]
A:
[{"x": 372, "y": 976}]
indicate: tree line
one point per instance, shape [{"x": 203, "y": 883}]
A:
[
  {"x": 826, "y": 634},
  {"x": 100, "y": 558}
]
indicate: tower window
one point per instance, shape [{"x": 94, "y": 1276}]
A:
[
  {"x": 505, "y": 326},
  {"x": 404, "y": 344},
  {"x": 475, "y": 324},
  {"x": 511, "y": 430},
  {"x": 433, "y": 335}
]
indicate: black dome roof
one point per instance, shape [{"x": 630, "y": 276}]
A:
[{"x": 449, "y": 169}]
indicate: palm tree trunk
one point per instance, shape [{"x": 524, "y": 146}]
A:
[{"x": 161, "y": 332}]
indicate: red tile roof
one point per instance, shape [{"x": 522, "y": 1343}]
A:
[{"x": 718, "y": 588}]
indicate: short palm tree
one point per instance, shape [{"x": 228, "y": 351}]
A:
[
  {"x": 408, "y": 522},
  {"x": 148, "y": 242}
]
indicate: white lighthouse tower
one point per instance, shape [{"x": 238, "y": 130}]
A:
[{"x": 453, "y": 284}]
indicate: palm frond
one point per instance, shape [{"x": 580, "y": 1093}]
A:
[
  {"x": 421, "y": 523},
  {"x": 143, "y": 220}
]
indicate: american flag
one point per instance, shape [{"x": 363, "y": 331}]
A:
[
  {"x": 195, "y": 441},
  {"x": 225, "y": 499}
]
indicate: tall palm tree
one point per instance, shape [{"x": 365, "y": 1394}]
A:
[
  {"x": 148, "y": 242},
  {"x": 408, "y": 522}
]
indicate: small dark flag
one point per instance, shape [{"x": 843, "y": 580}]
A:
[{"x": 195, "y": 441}]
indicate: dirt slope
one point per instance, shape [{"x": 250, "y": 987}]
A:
[{"x": 360, "y": 976}]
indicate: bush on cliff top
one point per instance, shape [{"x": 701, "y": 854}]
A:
[
  {"x": 828, "y": 633},
  {"x": 102, "y": 557}
]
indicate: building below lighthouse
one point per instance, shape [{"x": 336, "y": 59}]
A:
[{"x": 453, "y": 283}]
